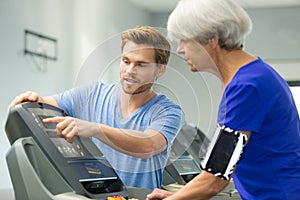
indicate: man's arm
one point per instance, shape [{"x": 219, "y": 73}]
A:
[
  {"x": 144, "y": 143},
  {"x": 136, "y": 143},
  {"x": 33, "y": 97}
]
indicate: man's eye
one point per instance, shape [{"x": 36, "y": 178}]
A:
[
  {"x": 125, "y": 61},
  {"x": 142, "y": 65}
]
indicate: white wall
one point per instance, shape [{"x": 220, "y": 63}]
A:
[
  {"x": 78, "y": 25},
  {"x": 20, "y": 73}
]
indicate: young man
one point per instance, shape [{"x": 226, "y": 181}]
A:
[{"x": 132, "y": 125}]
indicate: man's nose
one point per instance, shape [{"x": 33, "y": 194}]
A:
[{"x": 131, "y": 68}]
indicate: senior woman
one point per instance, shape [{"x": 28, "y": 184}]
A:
[{"x": 257, "y": 142}]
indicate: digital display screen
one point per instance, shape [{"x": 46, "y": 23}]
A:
[
  {"x": 47, "y": 126},
  {"x": 92, "y": 168},
  {"x": 98, "y": 169},
  {"x": 67, "y": 149}
]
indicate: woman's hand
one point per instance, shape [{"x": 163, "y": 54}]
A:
[{"x": 158, "y": 194}]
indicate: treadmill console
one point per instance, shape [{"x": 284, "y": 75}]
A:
[{"x": 81, "y": 164}]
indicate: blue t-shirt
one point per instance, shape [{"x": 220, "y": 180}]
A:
[
  {"x": 100, "y": 103},
  {"x": 259, "y": 100}
]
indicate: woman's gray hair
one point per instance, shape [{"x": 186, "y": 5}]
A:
[{"x": 202, "y": 19}]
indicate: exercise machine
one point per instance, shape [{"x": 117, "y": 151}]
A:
[{"x": 45, "y": 166}]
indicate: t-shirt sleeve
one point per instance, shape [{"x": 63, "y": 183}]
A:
[
  {"x": 167, "y": 120},
  {"x": 242, "y": 108},
  {"x": 65, "y": 101},
  {"x": 71, "y": 100}
]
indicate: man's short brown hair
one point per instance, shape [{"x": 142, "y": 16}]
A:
[{"x": 149, "y": 36}]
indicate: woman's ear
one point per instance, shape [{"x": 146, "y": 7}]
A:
[{"x": 214, "y": 41}]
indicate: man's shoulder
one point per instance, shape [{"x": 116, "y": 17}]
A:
[
  {"x": 166, "y": 101},
  {"x": 100, "y": 86}
]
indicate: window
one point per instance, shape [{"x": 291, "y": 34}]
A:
[{"x": 295, "y": 88}]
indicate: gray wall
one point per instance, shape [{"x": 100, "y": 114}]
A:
[
  {"x": 275, "y": 35},
  {"x": 276, "y": 39}
]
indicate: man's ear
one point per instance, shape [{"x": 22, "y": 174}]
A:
[{"x": 162, "y": 70}]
